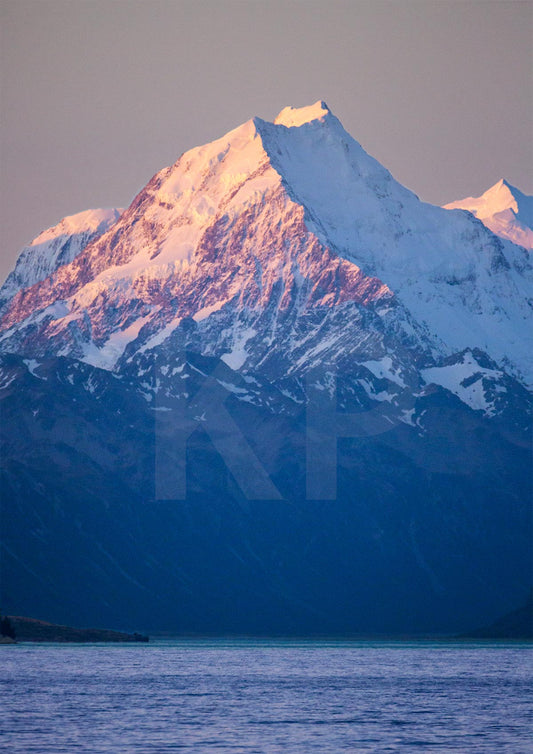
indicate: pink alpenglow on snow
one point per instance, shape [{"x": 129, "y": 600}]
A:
[
  {"x": 272, "y": 228},
  {"x": 55, "y": 247},
  {"x": 298, "y": 116}
]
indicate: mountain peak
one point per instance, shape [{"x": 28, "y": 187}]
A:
[
  {"x": 504, "y": 209},
  {"x": 56, "y": 246},
  {"x": 504, "y": 185},
  {"x": 298, "y": 116},
  {"x": 499, "y": 197},
  {"x": 89, "y": 221}
]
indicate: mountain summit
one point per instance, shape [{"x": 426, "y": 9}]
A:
[
  {"x": 505, "y": 210},
  {"x": 297, "y": 116}
]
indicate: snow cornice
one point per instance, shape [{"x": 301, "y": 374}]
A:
[{"x": 299, "y": 116}]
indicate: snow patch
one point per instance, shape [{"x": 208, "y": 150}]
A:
[
  {"x": 383, "y": 369},
  {"x": 233, "y": 388},
  {"x": 160, "y": 336},
  {"x": 454, "y": 376},
  {"x": 107, "y": 355},
  {"x": 204, "y": 313},
  {"x": 383, "y": 395},
  {"x": 238, "y": 355},
  {"x": 32, "y": 365},
  {"x": 6, "y": 379},
  {"x": 407, "y": 415}
]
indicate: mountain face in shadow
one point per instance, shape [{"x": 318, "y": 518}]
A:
[{"x": 517, "y": 624}]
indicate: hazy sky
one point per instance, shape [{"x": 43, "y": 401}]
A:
[{"x": 97, "y": 95}]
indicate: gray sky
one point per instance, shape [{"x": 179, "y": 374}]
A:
[{"x": 98, "y": 95}]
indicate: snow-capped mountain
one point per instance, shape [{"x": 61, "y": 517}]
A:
[
  {"x": 505, "y": 210},
  {"x": 56, "y": 247},
  {"x": 260, "y": 237},
  {"x": 253, "y": 293}
]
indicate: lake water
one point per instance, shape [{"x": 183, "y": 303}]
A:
[{"x": 268, "y": 696}]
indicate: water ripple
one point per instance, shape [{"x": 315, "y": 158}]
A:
[{"x": 264, "y": 698}]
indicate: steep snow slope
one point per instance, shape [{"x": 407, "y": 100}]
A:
[
  {"x": 283, "y": 242},
  {"x": 468, "y": 287},
  {"x": 505, "y": 210},
  {"x": 55, "y": 247}
]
